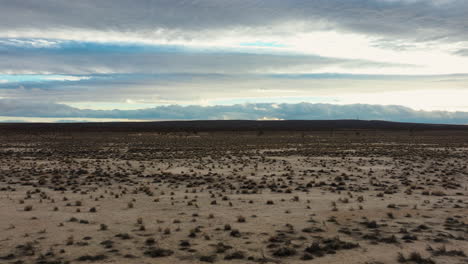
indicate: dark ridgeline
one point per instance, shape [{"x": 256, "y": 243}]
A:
[{"x": 222, "y": 125}]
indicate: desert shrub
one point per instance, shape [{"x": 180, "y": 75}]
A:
[
  {"x": 329, "y": 246},
  {"x": 442, "y": 251},
  {"x": 158, "y": 252},
  {"x": 140, "y": 220},
  {"x": 208, "y": 258},
  {"x": 92, "y": 258},
  {"x": 241, "y": 219},
  {"x": 414, "y": 257},
  {"x": 123, "y": 236},
  {"x": 184, "y": 243},
  {"x": 284, "y": 252},
  {"x": 235, "y": 255},
  {"x": 150, "y": 241},
  {"x": 235, "y": 233}
]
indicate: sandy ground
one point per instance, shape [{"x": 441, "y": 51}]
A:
[{"x": 342, "y": 197}]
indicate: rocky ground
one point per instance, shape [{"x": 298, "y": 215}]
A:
[{"x": 227, "y": 197}]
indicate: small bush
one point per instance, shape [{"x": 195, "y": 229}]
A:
[
  {"x": 158, "y": 252},
  {"x": 284, "y": 252}
]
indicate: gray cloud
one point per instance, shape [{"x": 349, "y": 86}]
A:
[
  {"x": 301, "y": 111},
  {"x": 199, "y": 88},
  {"x": 461, "y": 52},
  {"x": 31, "y": 108},
  {"x": 58, "y": 61},
  {"x": 420, "y": 20}
]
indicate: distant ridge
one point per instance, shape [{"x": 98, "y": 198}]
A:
[{"x": 224, "y": 125}]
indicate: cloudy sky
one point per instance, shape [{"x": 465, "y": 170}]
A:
[{"x": 149, "y": 54}]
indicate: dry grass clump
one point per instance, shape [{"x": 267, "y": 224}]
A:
[{"x": 414, "y": 257}]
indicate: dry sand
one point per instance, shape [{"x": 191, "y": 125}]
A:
[{"x": 315, "y": 197}]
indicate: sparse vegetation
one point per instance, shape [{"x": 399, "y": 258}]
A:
[{"x": 233, "y": 197}]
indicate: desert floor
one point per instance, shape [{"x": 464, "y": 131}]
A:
[{"x": 221, "y": 197}]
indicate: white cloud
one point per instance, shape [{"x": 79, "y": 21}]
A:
[
  {"x": 31, "y": 43},
  {"x": 66, "y": 78},
  {"x": 431, "y": 57},
  {"x": 269, "y": 118}
]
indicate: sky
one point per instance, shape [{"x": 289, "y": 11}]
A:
[{"x": 138, "y": 59}]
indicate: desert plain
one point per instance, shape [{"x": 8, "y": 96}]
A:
[{"x": 326, "y": 196}]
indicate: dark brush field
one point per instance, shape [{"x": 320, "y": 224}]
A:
[{"x": 227, "y": 192}]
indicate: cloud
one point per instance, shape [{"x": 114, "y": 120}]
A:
[
  {"x": 421, "y": 20},
  {"x": 66, "y": 78},
  {"x": 123, "y": 36},
  {"x": 29, "y": 43},
  {"x": 202, "y": 51},
  {"x": 156, "y": 89},
  {"x": 95, "y": 58},
  {"x": 300, "y": 111},
  {"x": 461, "y": 52},
  {"x": 34, "y": 109}
]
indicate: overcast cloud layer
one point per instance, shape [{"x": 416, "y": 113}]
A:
[
  {"x": 127, "y": 55},
  {"x": 420, "y": 20}
]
